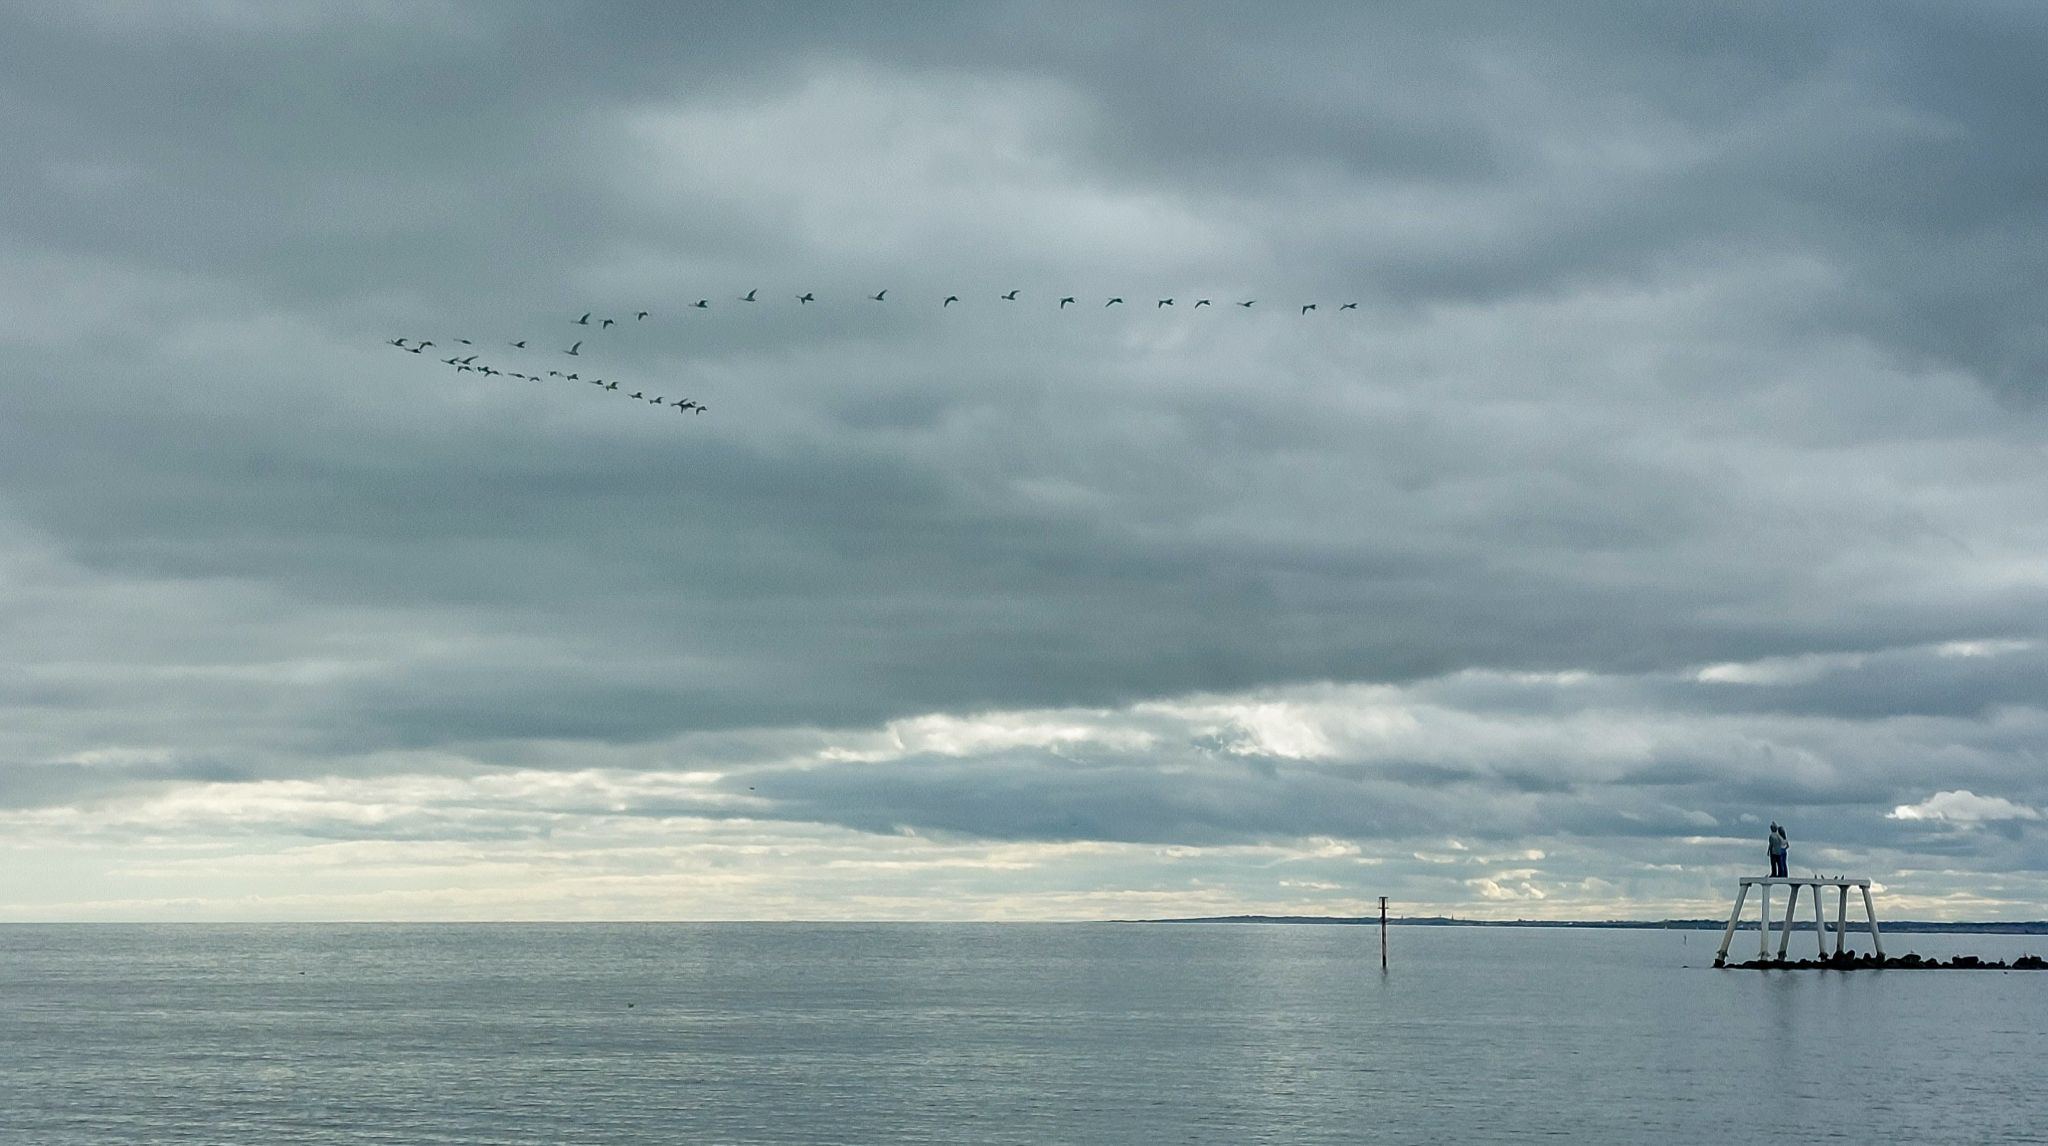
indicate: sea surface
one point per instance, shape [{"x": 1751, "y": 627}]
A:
[{"x": 997, "y": 1033}]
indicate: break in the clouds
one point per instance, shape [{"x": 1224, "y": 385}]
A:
[{"x": 1678, "y": 469}]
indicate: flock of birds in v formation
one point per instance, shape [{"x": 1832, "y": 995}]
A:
[{"x": 469, "y": 364}]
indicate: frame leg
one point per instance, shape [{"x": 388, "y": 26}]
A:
[
  {"x": 1763, "y": 921},
  {"x": 1785, "y": 931},
  {"x": 1870, "y": 913},
  {"x": 1820, "y": 927},
  {"x": 1728, "y": 933},
  {"x": 1841, "y": 916}
]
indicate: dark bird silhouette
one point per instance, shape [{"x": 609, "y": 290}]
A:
[
  {"x": 1349, "y": 306},
  {"x": 1306, "y": 307},
  {"x": 606, "y": 323},
  {"x": 1163, "y": 302},
  {"x": 468, "y": 360},
  {"x": 452, "y": 361},
  {"x": 877, "y": 296},
  {"x": 682, "y": 403},
  {"x": 398, "y": 342},
  {"x": 1112, "y": 302},
  {"x": 1012, "y": 296},
  {"x": 703, "y": 409},
  {"x": 641, "y": 315},
  {"x": 950, "y": 300},
  {"x": 749, "y": 296},
  {"x": 637, "y": 394},
  {"x": 1065, "y": 301},
  {"x": 576, "y": 349},
  {"x": 611, "y": 385},
  {"x": 654, "y": 401},
  {"x": 1248, "y": 302},
  {"x": 596, "y": 381},
  {"x": 465, "y": 342},
  {"x": 554, "y": 373},
  {"x": 521, "y": 344},
  {"x": 585, "y": 320},
  {"x": 573, "y": 377},
  {"x": 702, "y": 304},
  {"x": 806, "y": 297},
  {"x": 1201, "y": 302},
  {"x": 414, "y": 349},
  {"x": 464, "y": 369},
  {"x": 426, "y": 344}
]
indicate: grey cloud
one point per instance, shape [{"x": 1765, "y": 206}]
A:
[{"x": 1685, "y": 337}]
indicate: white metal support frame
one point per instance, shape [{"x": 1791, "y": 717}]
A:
[{"x": 1764, "y": 883}]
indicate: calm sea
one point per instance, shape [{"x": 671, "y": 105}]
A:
[{"x": 1012, "y": 1033}]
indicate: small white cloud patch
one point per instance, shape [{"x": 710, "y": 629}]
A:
[{"x": 1963, "y": 806}]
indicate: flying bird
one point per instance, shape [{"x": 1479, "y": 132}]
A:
[
  {"x": 1112, "y": 302},
  {"x": 638, "y": 394},
  {"x": 1306, "y": 307},
  {"x": 702, "y": 304},
  {"x": 1201, "y": 302},
  {"x": 607, "y": 322},
  {"x": 950, "y": 300},
  {"x": 654, "y": 401},
  {"x": 1163, "y": 302},
  {"x": 398, "y": 342},
  {"x": 1065, "y": 301},
  {"x": 1012, "y": 296},
  {"x": 472, "y": 358},
  {"x": 585, "y": 320},
  {"x": 749, "y": 296},
  {"x": 521, "y": 344},
  {"x": 806, "y": 297},
  {"x": 611, "y": 385},
  {"x": 1349, "y": 306},
  {"x": 641, "y": 315},
  {"x": 877, "y": 296},
  {"x": 425, "y": 344},
  {"x": 465, "y": 342},
  {"x": 574, "y": 349},
  {"x": 682, "y": 403}
]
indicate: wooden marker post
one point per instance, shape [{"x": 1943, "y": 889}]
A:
[{"x": 1383, "y": 932}]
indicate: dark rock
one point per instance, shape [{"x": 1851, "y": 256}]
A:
[{"x": 1907, "y": 962}]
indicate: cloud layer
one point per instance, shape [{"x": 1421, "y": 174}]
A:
[{"x": 1679, "y": 468}]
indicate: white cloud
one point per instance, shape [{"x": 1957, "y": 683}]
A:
[
  {"x": 1963, "y": 806},
  {"x": 1778, "y": 670},
  {"x": 1982, "y": 648},
  {"x": 1512, "y": 886}
]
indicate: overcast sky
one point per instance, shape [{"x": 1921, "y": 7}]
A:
[{"x": 1679, "y": 468}]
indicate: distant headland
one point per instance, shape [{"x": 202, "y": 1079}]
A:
[{"x": 2012, "y": 927}]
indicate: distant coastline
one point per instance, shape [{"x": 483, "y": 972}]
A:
[{"x": 1903, "y": 926}]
